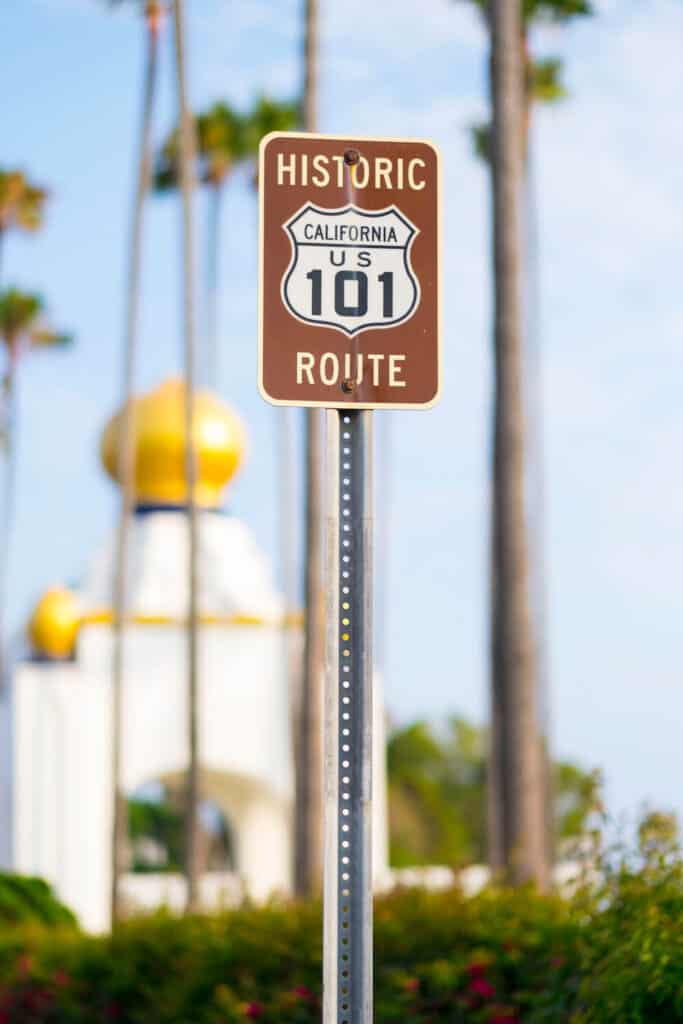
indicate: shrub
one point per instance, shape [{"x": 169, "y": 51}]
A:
[
  {"x": 24, "y": 899},
  {"x": 632, "y": 950},
  {"x": 501, "y": 958},
  {"x": 439, "y": 957}
]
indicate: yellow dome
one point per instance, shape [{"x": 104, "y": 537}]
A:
[
  {"x": 53, "y": 627},
  {"x": 159, "y": 428}
]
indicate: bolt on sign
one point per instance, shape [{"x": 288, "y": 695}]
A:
[{"x": 349, "y": 304}]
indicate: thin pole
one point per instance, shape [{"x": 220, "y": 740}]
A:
[
  {"x": 309, "y": 787},
  {"x": 187, "y": 181},
  {"x": 347, "y": 967},
  {"x": 126, "y": 456}
]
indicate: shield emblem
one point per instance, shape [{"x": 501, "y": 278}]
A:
[{"x": 350, "y": 268}]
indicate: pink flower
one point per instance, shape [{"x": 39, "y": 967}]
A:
[
  {"x": 558, "y": 961},
  {"x": 303, "y": 992},
  {"x": 61, "y": 979},
  {"x": 481, "y": 987},
  {"x": 254, "y": 1010},
  {"x": 412, "y": 984}
]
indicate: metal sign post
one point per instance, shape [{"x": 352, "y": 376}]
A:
[
  {"x": 349, "y": 316},
  {"x": 348, "y": 721}
]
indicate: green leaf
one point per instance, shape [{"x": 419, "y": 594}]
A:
[{"x": 544, "y": 82}]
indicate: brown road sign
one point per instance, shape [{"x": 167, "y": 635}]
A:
[{"x": 349, "y": 272}]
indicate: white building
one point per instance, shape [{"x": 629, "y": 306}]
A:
[{"x": 55, "y": 712}]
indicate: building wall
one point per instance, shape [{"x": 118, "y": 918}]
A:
[
  {"x": 55, "y": 769},
  {"x": 6, "y": 756}
]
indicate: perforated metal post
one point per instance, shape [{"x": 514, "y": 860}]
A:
[{"x": 348, "y": 718}]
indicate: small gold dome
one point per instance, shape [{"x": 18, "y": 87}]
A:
[
  {"x": 53, "y": 627},
  {"x": 159, "y": 429}
]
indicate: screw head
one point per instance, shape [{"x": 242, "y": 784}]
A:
[
  {"x": 347, "y": 386},
  {"x": 351, "y": 156}
]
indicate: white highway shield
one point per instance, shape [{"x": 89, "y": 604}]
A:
[{"x": 350, "y": 268}]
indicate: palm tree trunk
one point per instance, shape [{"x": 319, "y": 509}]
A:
[
  {"x": 187, "y": 183},
  {"x": 310, "y": 104},
  {"x": 516, "y": 778},
  {"x": 309, "y": 746},
  {"x": 213, "y": 237},
  {"x": 9, "y": 440},
  {"x": 126, "y": 457}
]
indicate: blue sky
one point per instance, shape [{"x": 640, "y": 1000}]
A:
[{"x": 607, "y": 167}]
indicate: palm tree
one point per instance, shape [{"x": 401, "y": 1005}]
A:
[
  {"x": 21, "y": 205},
  {"x": 186, "y": 164},
  {"x": 154, "y": 12},
  {"x": 225, "y": 139},
  {"x": 541, "y": 83},
  {"x": 542, "y": 78},
  {"x": 221, "y": 146},
  {"x": 517, "y": 832},
  {"x": 309, "y": 747},
  {"x": 23, "y": 329}
]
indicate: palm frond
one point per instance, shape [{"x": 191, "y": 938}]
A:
[
  {"x": 480, "y": 134},
  {"x": 166, "y": 168},
  {"x": 22, "y": 322},
  {"x": 18, "y": 311},
  {"x": 21, "y": 201},
  {"x": 557, "y": 10},
  {"x": 220, "y": 141},
  {"x": 544, "y": 10},
  {"x": 44, "y": 337},
  {"x": 270, "y": 115},
  {"x": 544, "y": 81}
]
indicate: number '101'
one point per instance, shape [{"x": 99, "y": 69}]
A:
[{"x": 360, "y": 278}]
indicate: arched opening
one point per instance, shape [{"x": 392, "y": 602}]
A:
[{"x": 156, "y": 832}]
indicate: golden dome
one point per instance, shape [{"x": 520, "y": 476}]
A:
[
  {"x": 53, "y": 627},
  {"x": 159, "y": 428}
]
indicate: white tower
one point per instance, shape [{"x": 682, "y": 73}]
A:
[{"x": 55, "y": 715}]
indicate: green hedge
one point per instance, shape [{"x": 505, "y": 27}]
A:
[
  {"x": 500, "y": 958},
  {"x": 24, "y": 899}
]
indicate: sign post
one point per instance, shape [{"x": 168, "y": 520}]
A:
[
  {"x": 348, "y": 722},
  {"x": 349, "y": 313}
]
